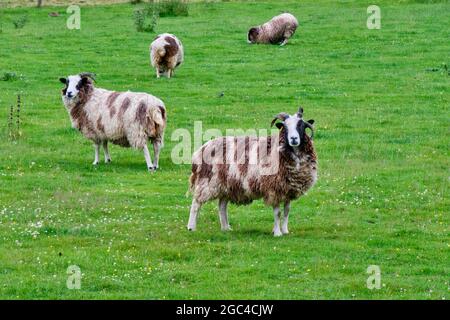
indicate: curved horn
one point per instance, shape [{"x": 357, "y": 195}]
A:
[
  {"x": 300, "y": 112},
  {"x": 88, "y": 75},
  {"x": 281, "y": 116},
  {"x": 309, "y": 125}
]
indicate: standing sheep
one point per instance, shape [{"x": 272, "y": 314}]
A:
[
  {"x": 225, "y": 169},
  {"x": 277, "y": 31},
  {"x": 166, "y": 53},
  {"x": 127, "y": 119}
]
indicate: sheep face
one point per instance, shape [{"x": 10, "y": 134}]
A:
[
  {"x": 293, "y": 130},
  {"x": 72, "y": 88},
  {"x": 252, "y": 35},
  {"x": 74, "y": 84},
  {"x": 294, "y": 127}
]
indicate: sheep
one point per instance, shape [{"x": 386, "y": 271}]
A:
[
  {"x": 277, "y": 31},
  {"x": 283, "y": 173},
  {"x": 128, "y": 119},
  {"x": 166, "y": 54}
]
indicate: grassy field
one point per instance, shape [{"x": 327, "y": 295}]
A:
[
  {"x": 380, "y": 99},
  {"x": 33, "y": 3}
]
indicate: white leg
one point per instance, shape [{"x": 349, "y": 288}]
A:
[
  {"x": 195, "y": 207},
  {"x": 157, "y": 73},
  {"x": 156, "y": 150},
  {"x": 284, "y": 42},
  {"x": 106, "y": 151},
  {"x": 223, "y": 215},
  {"x": 148, "y": 159},
  {"x": 96, "y": 150},
  {"x": 277, "y": 218},
  {"x": 169, "y": 73},
  {"x": 284, "y": 227}
]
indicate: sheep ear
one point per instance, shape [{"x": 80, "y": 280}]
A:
[
  {"x": 253, "y": 32},
  {"x": 279, "y": 125},
  {"x": 310, "y": 121},
  {"x": 63, "y": 80},
  {"x": 83, "y": 81}
]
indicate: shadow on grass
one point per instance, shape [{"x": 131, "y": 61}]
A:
[
  {"x": 80, "y": 166},
  {"x": 252, "y": 232}
]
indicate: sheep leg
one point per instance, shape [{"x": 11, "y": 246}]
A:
[
  {"x": 148, "y": 159},
  {"x": 277, "y": 218},
  {"x": 157, "y": 73},
  {"x": 284, "y": 226},
  {"x": 169, "y": 73},
  {"x": 223, "y": 215},
  {"x": 195, "y": 207},
  {"x": 283, "y": 42},
  {"x": 96, "y": 150},
  {"x": 156, "y": 150},
  {"x": 106, "y": 151}
]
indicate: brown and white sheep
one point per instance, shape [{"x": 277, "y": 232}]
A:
[
  {"x": 276, "y": 31},
  {"x": 285, "y": 168},
  {"x": 166, "y": 54},
  {"x": 128, "y": 119}
]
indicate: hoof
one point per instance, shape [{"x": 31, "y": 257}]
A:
[
  {"x": 227, "y": 228},
  {"x": 108, "y": 161},
  {"x": 285, "y": 231},
  {"x": 151, "y": 169},
  {"x": 95, "y": 163},
  {"x": 277, "y": 234}
]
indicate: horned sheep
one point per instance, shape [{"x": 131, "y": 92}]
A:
[
  {"x": 276, "y": 31},
  {"x": 128, "y": 119},
  {"x": 166, "y": 54},
  {"x": 283, "y": 172}
]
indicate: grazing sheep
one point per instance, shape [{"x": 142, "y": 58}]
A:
[
  {"x": 225, "y": 169},
  {"x": 166, "y": 53},
  {"x": 277, "y": 31},
  {"x": 128, "y": 119}
]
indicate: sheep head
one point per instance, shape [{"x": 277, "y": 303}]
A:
[
  {"x": 252, "y": 35},
  {"x": 293, "y": 127},
  {"x": 76, "y": 83}
]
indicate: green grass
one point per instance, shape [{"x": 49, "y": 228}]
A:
[{"x": 382, "y": 139}]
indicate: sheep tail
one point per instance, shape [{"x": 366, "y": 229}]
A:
[
  {"x": 193, "y": 177},
  {"x": 190, "y": 190},
  {"x": 156, "y": 123},
  {"x": 161, "y": 52},
  {"x": 159, "y": 116}
]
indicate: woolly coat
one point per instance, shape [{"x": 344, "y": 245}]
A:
[
  {"x": 275, "y": 31},
  {"x": 128, "y": 119},
  {"x": 166, "y": 52},
  {"x": 241, "y": 181}
]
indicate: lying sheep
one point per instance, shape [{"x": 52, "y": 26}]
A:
[
  {"x": 277, "y": 31},
  {"x": 128, "y": 119},
  {"x": 166, "y": 53},
  {"x": 225, "y": 169}
]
